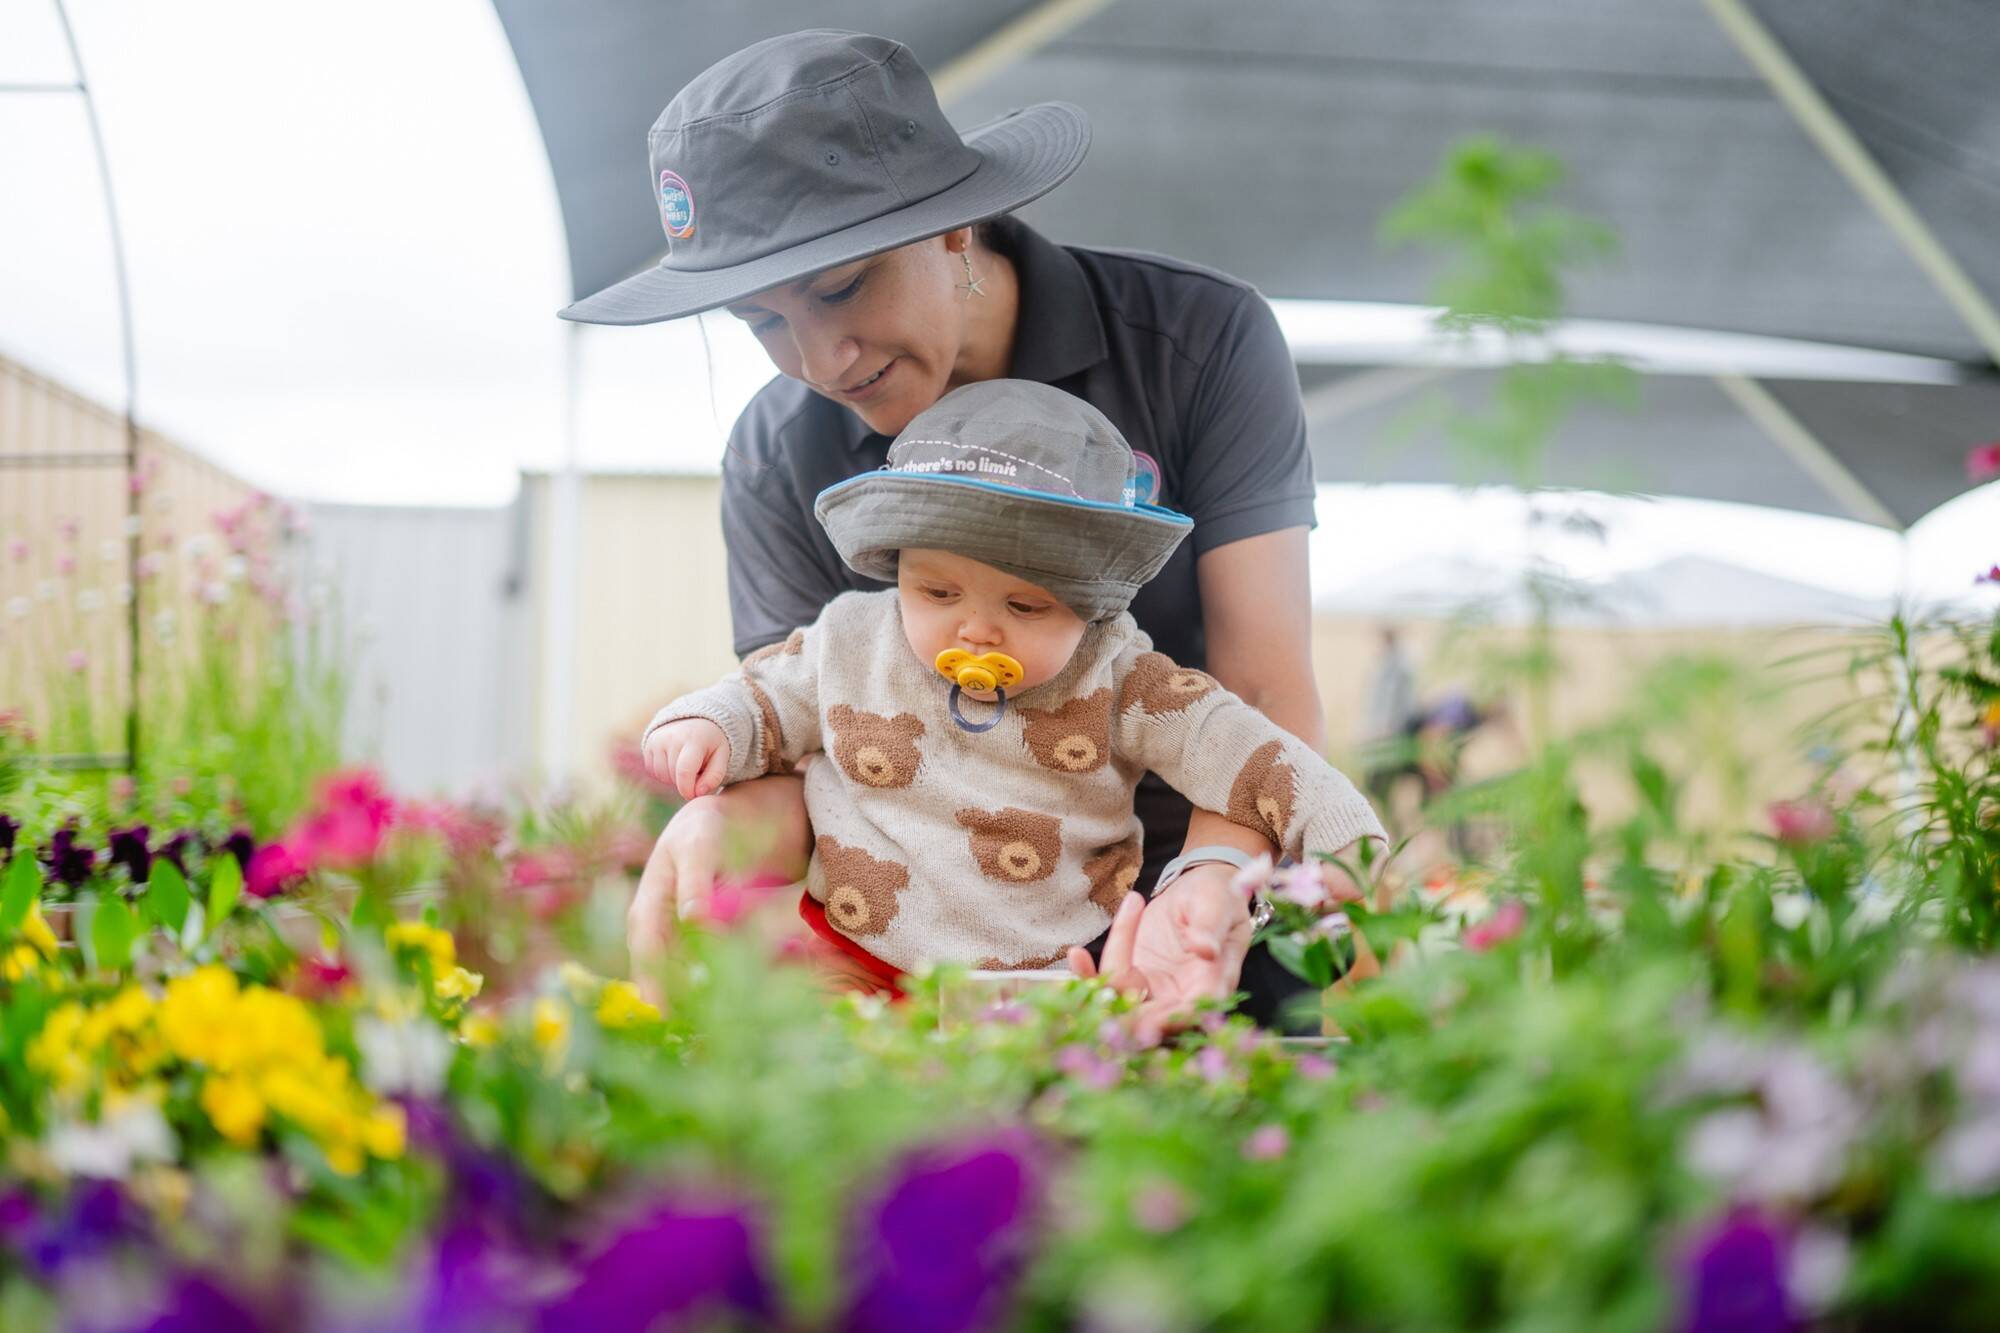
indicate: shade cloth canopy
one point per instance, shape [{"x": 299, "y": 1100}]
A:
[{"x": 1269, "y": 140}]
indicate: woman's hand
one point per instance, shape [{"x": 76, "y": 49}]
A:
[
  {"x": 690, "y": 756},
  {"x": 751, "y": 830},
  {"x": 1184, "y": 946}
]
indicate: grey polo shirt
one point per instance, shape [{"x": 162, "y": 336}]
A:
[{"x": 1189, "y": 365}]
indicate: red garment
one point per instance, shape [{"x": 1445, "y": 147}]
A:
[{"x": 880, "y": 972}]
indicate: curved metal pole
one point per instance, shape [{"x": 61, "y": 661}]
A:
[{"x": 129, "y": 350}]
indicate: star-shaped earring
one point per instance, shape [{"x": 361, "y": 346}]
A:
[{"x": 971, "y": 286}]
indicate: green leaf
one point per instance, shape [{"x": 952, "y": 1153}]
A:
[
  {"x": 167, "y": 896},
  {"x": 113, "y": 928},
  {"x": 224, "y": 889},
  {"x": 23, "y": 886}
]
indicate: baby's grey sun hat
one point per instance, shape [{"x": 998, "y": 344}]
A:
[{"x": 1017, "y": 475}]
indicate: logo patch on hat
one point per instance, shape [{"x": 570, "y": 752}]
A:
[{"x": 676, "y": 206}]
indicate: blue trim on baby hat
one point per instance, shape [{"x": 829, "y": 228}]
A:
[{"x": 1015, "y": 492}]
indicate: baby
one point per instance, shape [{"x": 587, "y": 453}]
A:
[{"x": 989, "y": 718}]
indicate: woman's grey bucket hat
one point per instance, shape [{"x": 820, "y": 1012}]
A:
[
  {"x": 1016, "y": 475},
  {"x": 816, "y": 149}
]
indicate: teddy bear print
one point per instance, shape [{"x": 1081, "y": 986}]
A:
[
  {"x": 1014, "y": 846},
  {"x": 1113, "y": 872},
  {"x": 768, "y": 730},
  {"x": 876, "y": 751},
  {"x": 861, "y": 891},
  {"x": 1157, "y": 685},
  {"x": 1075, "y": 738},
  {"x": 1048, "y": 960},
  {"x": 793, "y": 644},
  {"x": 1261, "y": 796}
]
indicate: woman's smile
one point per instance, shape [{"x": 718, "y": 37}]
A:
[{"x": 872, "y": 388}]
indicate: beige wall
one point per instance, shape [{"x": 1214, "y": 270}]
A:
[
  {"x": 73, "y": 587},
  {"x": 652, "y": 607}
]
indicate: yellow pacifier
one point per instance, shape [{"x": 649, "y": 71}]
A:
[{"x": 978, "y": 672}]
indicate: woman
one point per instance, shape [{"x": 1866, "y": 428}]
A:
[{"x": 811, "y": 186}]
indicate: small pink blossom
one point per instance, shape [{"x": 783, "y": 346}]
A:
[
  {"x": 17, "y": 549},
  {"x": 150, "y": 565},
  {"x": 1213, "y": 1064},
  {"x": 78, "y": 661},
  {"x": 1302, "y": 886},
  {"x": 123, "y": 789},
  {"x": 1983, "y": 461},
  {"x": 1313, "y": 1068},
  {"x": 1800, "y": 823},
  {"x": 1088, "y": 1067},
  {"x": 65, "y": 564},
  {"x": 1254, "y": 878},
  {"x": 1503, "y": 925},
  {"x": 68, "y": 528},
  {"x": 1267, "y": 1143},
  {"x": 1160, "y": 1207},
  {"x": 1990, "y": 576}
]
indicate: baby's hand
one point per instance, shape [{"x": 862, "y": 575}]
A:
[{"x": 690, "y": 756}]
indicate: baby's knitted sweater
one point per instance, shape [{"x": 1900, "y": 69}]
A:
[{"x": 1005, "y": 848}]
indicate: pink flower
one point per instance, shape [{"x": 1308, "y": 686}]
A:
[
  {"x": 1990, "y": 576},
  {"x": 123, "y": 789},
  {"x": 78, "y": 660},
  {"x": 1213, "y": 1064},
  {"x": 68, "y": 527},
  {"x": 274, "y": 867},
  {"x": 1314, "y": 1068},
  {"x": 1983, "y": 461},
  {"x": 1267, "y": 1143},
  {"x": 1160, "y": 1207},
  {"x": 347, "y": 828},
  {"x": 1301, "y": 886},
  {"x": 18, "y": 549},
  {"x": 1254, "y": 878},
  {"x": 150, "y": 564},
  {"x": 1799, "y": 823},
  {"x": 65, "y": 564},
  {"x": 1503, "y": 925}
]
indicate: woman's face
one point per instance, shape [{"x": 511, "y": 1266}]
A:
[
  {"x": 949, "y": 601},
  {"x": 881, "y": 336}
]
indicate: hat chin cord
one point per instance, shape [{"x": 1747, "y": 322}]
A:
[{"x": 981, "y": 672}]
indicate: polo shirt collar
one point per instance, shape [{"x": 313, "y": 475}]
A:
[{"x": 1058, "y": 331}]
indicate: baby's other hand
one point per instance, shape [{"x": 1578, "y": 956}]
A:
[{"x": 690, "y": 756}]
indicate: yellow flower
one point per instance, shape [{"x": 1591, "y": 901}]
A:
[
  {"x": 479, "y": 1030},
  {"x": 57, "y": 1053},
  {"x": 36, "y": 932},
  {"x": 383, "y": 1133},
  {"x": 620, "y": 1006},
  {"x": 234, "y": 1108},
  {"x": 579, "y": 981},
  {"x": 416, "y": 937},
  {"x": 457, "y": 985},
  {"x": 344, "y": 1158},
  {"x": 551, "y": 1025}
]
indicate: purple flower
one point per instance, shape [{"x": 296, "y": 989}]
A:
[
  {"x": 673, "y": 1265},
  {"x": 1213, "y": 1064},
  {"x": 175, "y": 849},
  {"x": 198, "y": 1305},
  {"x": 128, "y": 849},
  {"x": 242, "y": 846},
  {"x": 9, "y": 828},
  {"x": 68, "y": 860},
  {"x": 1087, "y": 1067},
  {"x": 1735, "y": 1277},
  {"x": 947, "y": 1241},
  {"x": 96, "y": 1217}
]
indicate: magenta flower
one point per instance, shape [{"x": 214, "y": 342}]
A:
[
  {"x": 1505, "y": 923},
  {"x": 1983, "y": 461},
  {"x": 273, "y": 868},
  {"x": 1990, "y": 576},
  {"x": 346, "y": 828},
  {"x": 1801, "y": 823}
]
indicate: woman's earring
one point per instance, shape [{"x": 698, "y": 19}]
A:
[{"x": 970, "y": 286}]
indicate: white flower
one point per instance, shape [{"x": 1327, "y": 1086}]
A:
[
  {"x": 163, "y": 624},
  {"x": 18, "y": 607},
  {"x": 1966, "y": 1161},
  {"x": 1818, "y": 1267},
  {"x": 215, "y": 592},
  {"x": 130, "y": 527},
  {"x": 234, "y": 568},
  {"x": 197, "y": 546},
  {"x": 135, "y": 1132},
  {"x": 111, "y": 550},
  {"x": 1790, "y": 910},
  {"x": 408, "y": 1056},
  {"x": 89, "y": 601},
  {"x": 45, "y": 591}
]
